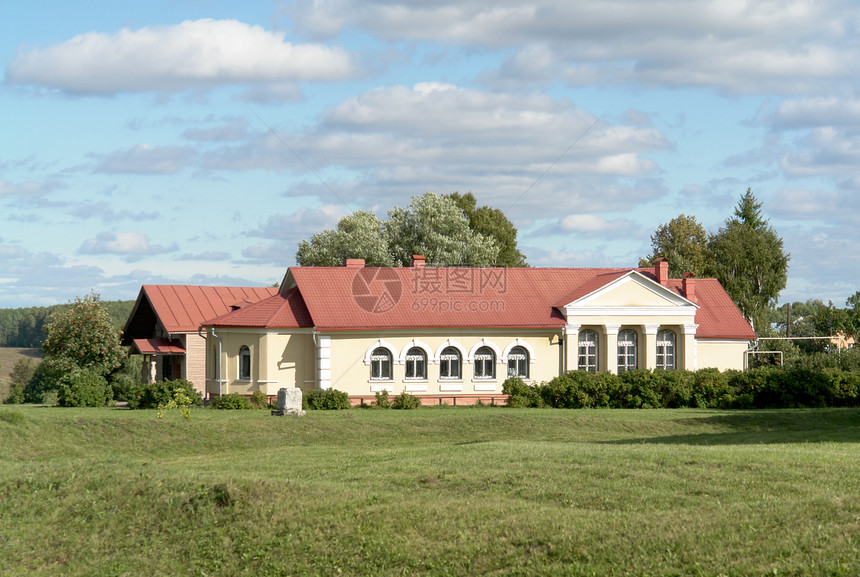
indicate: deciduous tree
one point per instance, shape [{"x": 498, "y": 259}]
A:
[
  {"x": 684, "y": 242},
  {"x": 358, "y": 235},
  {"x": 83, "y": 337},
  {"x": 433, "y": 226},
  {"x": 493, "y": 223}
]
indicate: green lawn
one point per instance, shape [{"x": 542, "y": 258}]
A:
[{"x": 442, "y": 491}]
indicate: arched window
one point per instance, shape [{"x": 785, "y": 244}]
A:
[
  {"x": 485, "y": 363},
  {"x": 244, "y": 364},
  {"x": 665, "y": 349},
  {"x": 627, "y": 350},
  {"x": 518, "y": 362},
  {"x": 450, "y": 364},
  {"x": 416, "y": 363},
  {"x": 380, "y": 365},
  {"x": 587, "y": 351}
]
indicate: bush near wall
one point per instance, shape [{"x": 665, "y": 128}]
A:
[
  {"x": 232, "y": 402},
  {"x": 328, "y": 399},
  {"x": 763, "y": 388},
  {"x": 154, "y": 394}
]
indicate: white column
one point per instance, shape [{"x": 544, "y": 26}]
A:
[
  {"x": 690, "y": 350},
  {"x": 324, "y": 362},
  {"x": 571, "y": 347},
  {"x": 650, "y": 346},
  {"x": 611, "y": 347}
]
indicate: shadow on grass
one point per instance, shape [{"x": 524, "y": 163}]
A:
[{"x": 765, "y": 427}]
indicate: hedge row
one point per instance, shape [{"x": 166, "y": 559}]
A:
[{"x": 765, "y": 387}]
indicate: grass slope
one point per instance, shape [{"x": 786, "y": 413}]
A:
[{"x": 460, "y": 491}]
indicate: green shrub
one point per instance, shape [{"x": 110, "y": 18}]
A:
[
  {"x": 405, "y": 401},
  {"x": 710, "y": 389},
  {"x": 382, "y": 401},
  {"x": 675, "y": 388},
  {"x": 232, "y": 401},
  {"x": 521, "y": 394},
  {"x": 22, "y": 373},
  {"x": 259, "y": 400},
  {"x": 178, "y": 400},
  {"x": 124, "y": 379},
  {"x": 326, "y": 399},
  {"x": 83, "y": 388},
  {"x": 43, "y": 385},
  {"x": 161, "y": 393}
]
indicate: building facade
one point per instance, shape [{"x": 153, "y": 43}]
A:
[{"x": 445, "y": 334}]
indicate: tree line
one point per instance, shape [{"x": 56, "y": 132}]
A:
[{"x": 25, "y": 327}]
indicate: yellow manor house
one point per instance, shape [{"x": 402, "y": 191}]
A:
[{"x": 443, "y": 334}]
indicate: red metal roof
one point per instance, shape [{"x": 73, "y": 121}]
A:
[
  {"x": 157, "y": 347},
  {"x": 340, "y": 298},
  {"x": 183, "y": 308},
  {"x": 283, "y": 310}
]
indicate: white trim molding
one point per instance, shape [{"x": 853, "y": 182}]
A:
[
  {"x": 381, "y": 343},
  {"x": 401, "y": 360},
  {"x": 485, "y": 343},
  {"x": 518, "y": 342},
  {"x": 450, "y": 343}
]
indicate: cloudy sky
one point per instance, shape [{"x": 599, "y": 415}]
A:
[{"x": 198, "y": 142}]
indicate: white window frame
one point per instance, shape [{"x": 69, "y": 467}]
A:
[
  {"x": 244, "y": 353},
  {"x": 484, "y": 364},
  {"x": 588, "y": 350},
  {"x": 667, "y": 349},
  {"x": 376, "y": 363},
  {"x": 628, "y": 350},
  {"x": 415, "y": 359},
  {"x": 442, "y": 362},
  {"x": 520, "y": 357}
]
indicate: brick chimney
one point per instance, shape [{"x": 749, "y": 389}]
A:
[
  {"x": 661, "y": 271},
  {"x": 353, "y": 263},
  {"x": 688, "y": 286},
  {"x": 418, "y": 261}
]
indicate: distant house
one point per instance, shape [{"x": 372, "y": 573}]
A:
[
  {"x": 458, "y": 333},
  {"x": 164, "y": 323}
]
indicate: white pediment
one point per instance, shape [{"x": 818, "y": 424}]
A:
[{"x": 633, "y": 293}]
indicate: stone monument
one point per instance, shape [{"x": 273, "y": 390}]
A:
[{"x": 289, "y": 402}]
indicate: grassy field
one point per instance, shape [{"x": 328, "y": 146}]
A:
[{"x": 442, "y": 491}]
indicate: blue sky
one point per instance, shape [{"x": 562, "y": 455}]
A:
[{"x": 135, "y": 141}]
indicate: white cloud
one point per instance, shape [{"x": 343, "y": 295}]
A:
[
  {"x": 132, "y": 246},
  {"x": 26, "y": 189},
  {"x": 146, "y": 159},
  {"x": 197, "y": 53},
  {"x": 211, "y": 255},
  {"x": 593, "y": 224},
  {"x": 741, "y": 46},
  {"x": 389, "y": 143}
]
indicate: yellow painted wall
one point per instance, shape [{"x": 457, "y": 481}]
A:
[
  {"x": 278, "y": 360},
  {"x": 630, "y": 294},
  {"x": 350, "y": 373},
  {"x": 721, "y": 354}
]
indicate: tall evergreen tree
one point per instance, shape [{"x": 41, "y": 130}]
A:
[{"x": 748, "y": 258}]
